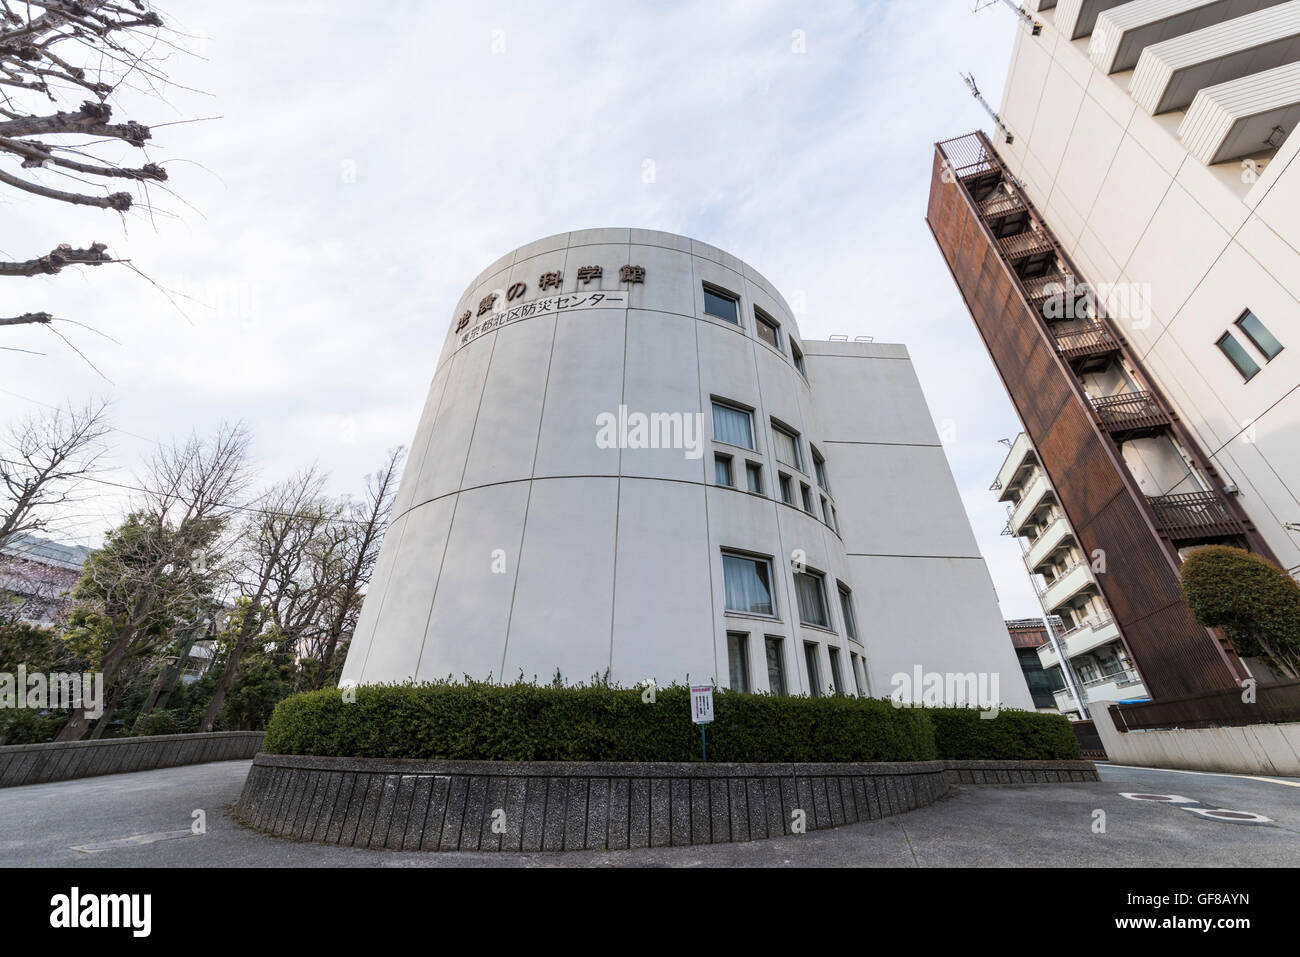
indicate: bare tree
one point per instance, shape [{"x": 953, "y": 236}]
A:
[
  {"x": 360, "y": 541},
  {"x": 54, "y": 53},
  {"x": 273, "y": 549},
  {"x": 163, "y": 565},
  {"x": 43, "y": 461}
]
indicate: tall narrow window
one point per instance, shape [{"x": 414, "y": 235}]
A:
[
  {"x": 748, "y": 585},
  {"x": 826, "y": 511},
  {"x": 797, "y": 355},
  {"x": 722, "y": 470},
  {"x": 721, "y": 305},
  {"x": 814, "y": 670},
  {"x": 837, "y": 676},
  {"x": 775, "y": 665},
  {"x": 856, "y": 663},
  {"x": 811, "y": 593},
  {"x": 1258, "y": 333},
  {"x": 754, "y": 477},
  {"x": 733, "y": 426},
  {"x": 819, "y": 466},
  {"x": 786, "y": 446},
  {"x": 1238, "y": 356},
  {"x": 768, "y": 329},
  {"x": 787, "y": 490},
  {"x": 846, "y": 607},
  {"x": 738, "y": 659},
  {"x": 806, "y": 492}
]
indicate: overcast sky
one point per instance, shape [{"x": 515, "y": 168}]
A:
[{"x": 371, "y": 158}]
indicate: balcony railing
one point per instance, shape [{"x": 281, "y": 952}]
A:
[
  {"x": 1000, "y": 205},
  {"x": 1125, "y": 676},
  {"x": 1024, "y": 245},
  {"x": 1084, "y": 338},
  {"x": 1130, "y": 412},
  {"x": 1095, "y": 622},
  {"x": 1194, "y": 515}
]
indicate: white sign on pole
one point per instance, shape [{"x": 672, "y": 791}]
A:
[{"x": 702, "y": 704}]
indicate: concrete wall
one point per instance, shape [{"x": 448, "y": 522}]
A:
[
  {"x": 1132, "y": 205},
  {"x": 1251, "y": 749},
  {"x": 61, "y": 761},
  {"x": 520, "y": 546},
  {"x": 454, "y": 805}
]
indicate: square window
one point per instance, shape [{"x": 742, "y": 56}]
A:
[
  {"x": 775, "y": 648},
  {"x": 786, "y": 446},
  {"x": 722, "y": 471},
  {"x": 787, "y": 490},
  {"x": 748, "y": 585},
  {"x": 754, "y": 477},
  {"x": 1238, "y": 356},
  {"x": 738, "y": 661},
  {"x": 769, "y": 330},
  {"x": 733, "y": 426},
  {"x": 811, "y": 593},
  {"x": 1259, "y": 335},
  {"x": 721, "y": 305}
]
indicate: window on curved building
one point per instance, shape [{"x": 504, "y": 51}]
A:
[
  {"x": 775, "y": 651},
  {"x": 721, "y": 305},
  {"x": 846, "y": 607},
  {"x": 754, "y": 477},
  {"x": 837, "y": 674},
  {"x": 787, "y": 490},
  {"x": 733, "y": 426},
  {"x": 722, "y": 471},
  {"x": 811, "y": 593},
  {"x": 814, "y": 670},
  {"x": 769, "y": 330},
  {"x": 748, "y": 584},
  {"x": 819, "y": 466},
  {"x": 797, "y": 355},
  {"x": 738, "y": 660},
  {"x": 785, "y": 444}
]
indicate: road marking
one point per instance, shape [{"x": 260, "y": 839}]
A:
[
  {"x": 1157, "y": 798},
  {"x": 135, "y": 840},
  {"x": 1209, "y": 774}
]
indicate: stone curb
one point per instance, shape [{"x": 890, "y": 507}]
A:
[
  {"x": 22, "y": 764},
  {"x": 550, "y": 806}
]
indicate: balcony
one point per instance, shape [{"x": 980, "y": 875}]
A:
[
  {"x": 1049, "y": 541},
  {"x": 1043, "y": 289},
  {"x": 1114, "y": 687},
  {"x": 1093, "y": 633},
  {"x": 1001, "y": 205},
  {"x": 1022, "y": 451},
  {"x": 1074, "y": 580},
  {"x": 1065, "y": 701},
  {"x": 1035, "y": 491},
  {"x": 1131, "y": 414},
  {"x": 1027, "y": 245},
  {"x": 1084, "y": 338},
  {"x": 1194, "y": 515}
]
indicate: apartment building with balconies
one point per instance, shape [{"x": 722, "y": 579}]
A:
[
  {"x": 1128, "y": 244},
  {"x": 1080, "y": 625}
]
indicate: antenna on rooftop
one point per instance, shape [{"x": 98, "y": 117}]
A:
[
  {"x": 1035, "y": 26},
  {"x": 969, "y": 79}
]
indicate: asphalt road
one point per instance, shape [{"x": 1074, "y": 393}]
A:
[{"x": 144, "y": 820}]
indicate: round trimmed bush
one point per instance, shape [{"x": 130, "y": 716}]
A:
[{"x": 1256, "y": 603}]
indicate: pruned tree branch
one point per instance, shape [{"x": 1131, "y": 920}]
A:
[{"x": 54, "y": 261}]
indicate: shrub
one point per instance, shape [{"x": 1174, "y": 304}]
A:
[
  {"x": 961, "y": 734},
  {"x": 527, "y": 722},
  {"x": 1256, "y": 603}
]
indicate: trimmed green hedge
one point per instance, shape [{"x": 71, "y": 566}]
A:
[{"x": 522, "y": 722}]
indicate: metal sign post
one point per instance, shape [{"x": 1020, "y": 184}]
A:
[{"x": 702, "y": 713}]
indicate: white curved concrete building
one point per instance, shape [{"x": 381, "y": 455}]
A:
[{"x": 542, "y": 525}]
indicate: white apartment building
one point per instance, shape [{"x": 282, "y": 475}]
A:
[
  {"x": 1156, "y": 138},
  {"x": 1082, "y": 626},
  {"x": 631, "y": 463}
]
